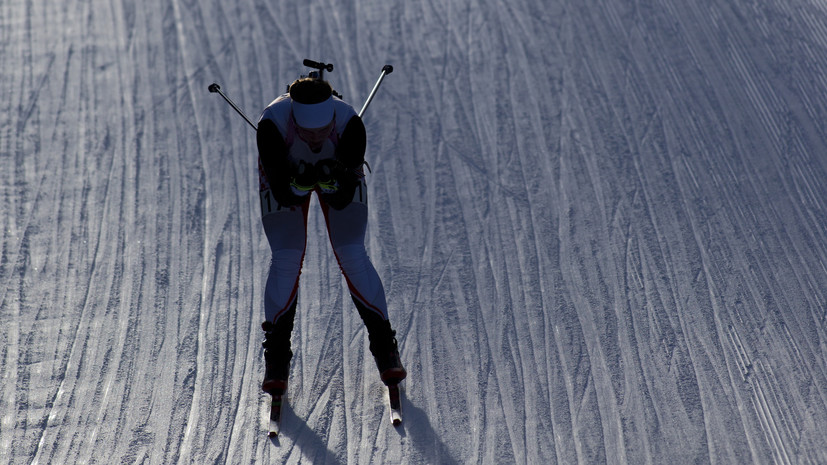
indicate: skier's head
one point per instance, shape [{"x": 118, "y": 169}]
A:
[{"x": 312, "y": 103}]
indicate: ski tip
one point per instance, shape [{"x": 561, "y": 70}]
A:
[
  {"x": 273, "y": 434},
  {"x": 397, "y": 421}
]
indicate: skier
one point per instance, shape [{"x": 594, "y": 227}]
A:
[{"x": 309, "y": 140}]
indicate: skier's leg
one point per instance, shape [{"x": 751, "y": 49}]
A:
[
  {"x": 347, "y": 228},
  {"x": 286, "y": 231}
]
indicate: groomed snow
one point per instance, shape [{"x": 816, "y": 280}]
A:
[{"x": 601, "y": 226}]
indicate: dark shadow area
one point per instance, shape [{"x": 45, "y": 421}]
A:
[
  {"x": 312, "y": 446},
  {"x": 426, "y": 441}
]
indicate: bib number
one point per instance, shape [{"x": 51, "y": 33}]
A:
[{"x": 268, "y": 203}]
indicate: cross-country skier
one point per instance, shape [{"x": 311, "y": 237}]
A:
[{"x": 309, "y": 141}]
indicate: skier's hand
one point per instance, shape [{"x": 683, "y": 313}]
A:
[
  {"x": 338, "y": 182},
  {"x": 283, "y": 193},
  {"x": 304, "y": 178},
  {"x": 328, "y": 173}
]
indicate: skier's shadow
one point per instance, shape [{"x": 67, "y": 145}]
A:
[
  {"x": 313, "y": 447},
  {"x": 416, "y": 426},
  {"x": 422, "y": 435}
]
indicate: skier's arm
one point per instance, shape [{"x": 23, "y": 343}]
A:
[
  {"x": 352, "y": 144},
  {"x": 350, "y": 155},
  {"x": 273, "y": 153}
]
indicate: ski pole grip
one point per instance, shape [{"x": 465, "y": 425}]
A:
[{"x": 215, "y": 88}]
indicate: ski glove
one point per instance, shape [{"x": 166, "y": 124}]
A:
[
  {"x": 347, "y": 168},
  {"x": 304, "y": 178},
  {"x": 341, "y": 180}
]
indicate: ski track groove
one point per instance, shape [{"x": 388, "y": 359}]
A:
[
  {"x": 72, "y": 349},
  {"x": 530, "y": 428},
  {"x": 508, "y": 397},
  {"x": 185, "y": 445}
]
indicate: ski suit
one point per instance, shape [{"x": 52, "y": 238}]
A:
[{"x": 285, "y": 204}]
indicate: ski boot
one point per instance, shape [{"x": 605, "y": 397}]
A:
[
  {"x": 277, "y": 353},
  {"x": 386, "y": 355},
  {"x": 383, "y": 346}
]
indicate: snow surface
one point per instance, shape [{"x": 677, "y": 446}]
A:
[{"x": 601, "y": 225}]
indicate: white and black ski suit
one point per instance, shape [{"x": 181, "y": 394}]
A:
[{"x": 284, "y": 156}]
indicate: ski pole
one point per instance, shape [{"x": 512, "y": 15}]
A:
[
  {"x": 216, "y": 88},
  {"x": 387, "y": 69}
]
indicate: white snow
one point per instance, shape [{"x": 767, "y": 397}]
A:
[{"x": 601, "y": 225}]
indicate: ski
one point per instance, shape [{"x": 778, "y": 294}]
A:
[
  {"x": 395, "y": 397},
  {"x": 275, "y": 414}
]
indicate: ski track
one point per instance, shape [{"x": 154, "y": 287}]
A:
[{"x": 601, "y": 228}]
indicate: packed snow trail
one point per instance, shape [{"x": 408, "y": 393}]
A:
[{"x": 601, "y": 228}]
